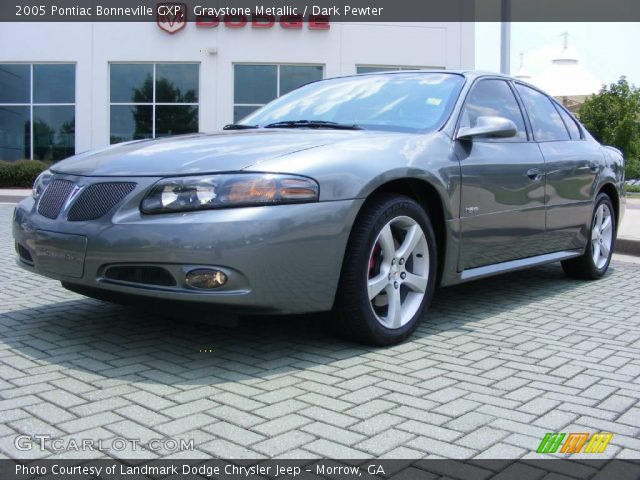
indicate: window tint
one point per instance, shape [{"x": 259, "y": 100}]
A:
[
  {"x": 14, "y": 83},
  {"x": 53, "y": 132},
  {"x": 571, "y": 124},
  {"x": 255, "y": 84},
  {"x": 241, "y": 111},
  {"x": 138, "y": 110},
  {"x": 294, "y": 76},
  {"x": 177, "y": 83},
  {"x": 545, "y": 120},
  {"x": 131, "y": 122},
  {"x": 493, "y": 98},
  {"x": 131, "y": 83},
  {"x": 54, "y": 83},
  {"x": 37, "y": 111},
  {"x": 176, "y": 120},
  {"x": 15, "y": 143}
]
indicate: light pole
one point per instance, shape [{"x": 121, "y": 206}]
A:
[{"x": 505, "y": 36}]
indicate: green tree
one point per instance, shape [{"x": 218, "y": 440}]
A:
[{"x": 612, "y": 116}]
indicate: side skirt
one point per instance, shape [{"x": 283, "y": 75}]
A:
[{"x": 512, "y": 265}]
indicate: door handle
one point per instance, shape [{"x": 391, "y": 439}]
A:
[{"x": 534, "y": 174}]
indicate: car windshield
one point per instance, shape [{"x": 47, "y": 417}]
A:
[{"x": 404, "y": 102}]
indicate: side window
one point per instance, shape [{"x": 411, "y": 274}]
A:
[
  {"x": 545, "y": 120},
  {"x": 571, "y": 124},
  {"x": 493, "y": 98}
]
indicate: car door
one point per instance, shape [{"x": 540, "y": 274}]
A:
[
  {"x": 502, "y": 212},
  {"x": 571, "y": 168}
]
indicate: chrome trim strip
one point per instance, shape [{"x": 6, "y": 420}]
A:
[{"x": 485, "y": 271}]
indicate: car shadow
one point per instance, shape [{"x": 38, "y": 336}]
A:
[{"x": 105, "y": 341}]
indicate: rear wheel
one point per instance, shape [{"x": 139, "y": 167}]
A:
[
  {"x": 388, "y": 272},
  {"x": 595, "y": 261}
]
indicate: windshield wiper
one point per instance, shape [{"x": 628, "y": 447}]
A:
[
  {"x": 313, "y": 124},
  {"x": 238, "y": 126}
]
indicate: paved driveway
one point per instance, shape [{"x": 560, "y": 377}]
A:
[{"x": 499, "y": 363}]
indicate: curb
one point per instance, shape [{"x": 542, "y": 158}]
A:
[
  {"x": 11, "y": 199},
  {"x": 627, "y": 246}
]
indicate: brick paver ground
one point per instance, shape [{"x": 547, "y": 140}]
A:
[{"x": 498, "y": 364}]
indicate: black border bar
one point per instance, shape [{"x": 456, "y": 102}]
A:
[
  {"x": 574, "y": 468},
  {"x": 337, "y": 10}
]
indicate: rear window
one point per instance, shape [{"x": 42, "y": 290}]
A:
[
  {"x": 545, "y": 120},
  {"x": 569, "y": 121}
]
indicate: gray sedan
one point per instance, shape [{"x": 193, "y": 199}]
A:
[{"x": 357, "y": 194}]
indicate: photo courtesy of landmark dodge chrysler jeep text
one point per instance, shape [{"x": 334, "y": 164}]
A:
[{"x": 357, "y": 194}]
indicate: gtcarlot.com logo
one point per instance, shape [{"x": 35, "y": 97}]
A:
[
  {"x": 573, "y": 442},
  {"x": 26, "y": 443}
]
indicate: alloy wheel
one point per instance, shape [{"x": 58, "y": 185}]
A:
[
  {"x": 398, "y": 272},
  {"x": 601, "y": 236}
]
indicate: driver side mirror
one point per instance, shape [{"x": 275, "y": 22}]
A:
[{"x": 489, "y": 127}]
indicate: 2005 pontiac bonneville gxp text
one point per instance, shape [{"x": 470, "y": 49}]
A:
[{"x": 357, "y": 194}]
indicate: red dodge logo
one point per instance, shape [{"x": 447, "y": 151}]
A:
[{"x": 172, "y": 17}]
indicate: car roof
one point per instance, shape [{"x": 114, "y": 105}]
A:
[
  {"x": 465, "y": 73},
  {"x": 469, "y": 74}
]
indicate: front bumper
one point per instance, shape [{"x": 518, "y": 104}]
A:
[{"x": 279, "y": 259}]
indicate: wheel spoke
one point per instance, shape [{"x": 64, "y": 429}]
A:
[
  {"x": 401, "y": 258},
  {"x": 606, "y": 225},
  {"x": 386, "y": 242},
  {"x": 377, "y": 284},
  {"x": 596, "y": 254},
  {"x": 604, "y": 250},
  {"x": 394, "y": 312},
  {"x": 414, "y": 234},
  {"x": 416, "y": 283},
  {"x": 594, "y": 235},
  {"x": 599, "y": 214}
]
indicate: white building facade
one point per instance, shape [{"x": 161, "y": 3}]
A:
[{"x": 69, "y": 87}]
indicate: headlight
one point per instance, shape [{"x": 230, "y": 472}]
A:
[
  {"x": 228, "y": 190},
  {"x": 41, "y": 183}
]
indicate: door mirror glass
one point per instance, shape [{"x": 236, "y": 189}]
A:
[{"x": 489, "y": 127}]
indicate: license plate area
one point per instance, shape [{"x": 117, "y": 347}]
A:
[{"x": 60, "y": 253}]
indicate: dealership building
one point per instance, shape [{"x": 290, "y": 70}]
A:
[{"x": 69, "y": 87}]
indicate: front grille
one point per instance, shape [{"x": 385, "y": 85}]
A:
[
  {"x": 141, "y": 274},
  {"x": 98, "y": 199},
  {"x": 53, "y": 198}
]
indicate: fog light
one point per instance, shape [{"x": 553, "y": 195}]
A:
[{"x": 205, "y": 279}]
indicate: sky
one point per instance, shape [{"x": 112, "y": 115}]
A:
[{"x": 608, "y": 50}]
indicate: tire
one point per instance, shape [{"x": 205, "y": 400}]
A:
[
  {"x": 378, "y": 260},
  {"x": 594, "y": 263}
]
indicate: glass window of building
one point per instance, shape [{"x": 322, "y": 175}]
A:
[
  {"x": 37, "y": 111},
  {"x": 150, "y": 100},
  {"x": 256, "y": 85}
]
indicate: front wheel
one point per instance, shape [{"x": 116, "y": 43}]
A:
[
  {"x": 388, "y": 273},
  {"x": 595, "y": 261}
]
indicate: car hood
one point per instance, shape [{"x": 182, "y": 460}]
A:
[{"x": 200, "y": 153}]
